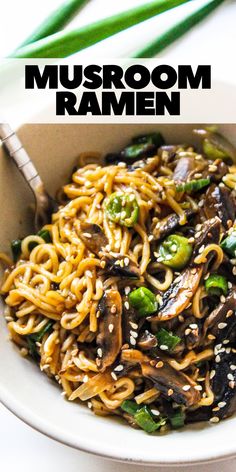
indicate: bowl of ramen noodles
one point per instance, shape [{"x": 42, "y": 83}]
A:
[{"x": 118, "y": 317}]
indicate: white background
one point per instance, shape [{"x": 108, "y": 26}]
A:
[{"x": 21, "y": 448}]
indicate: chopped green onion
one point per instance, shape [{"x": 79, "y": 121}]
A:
[
  {"x": 123, "y": 209},
  {"x": 44, "y": 234},
  {"x": 129, "y": 406},
  {"x": 229, "y": 244},
  {"x": 143, "y": 301},
  {"x": 177, "y": 419},
  {"x": 193, "y": 185},
  {"x": 137, "y": 151},
  {"x": 175, "y": 251},
  {"x": 16, "y": 249},
  {"x": 168, "y": 339},
  {"x": 144, "y": 419},
  {"x": 216, "y": 285},
  {"x": 55, "y": 21},
  {"x": 175, "y": 32},
  {"x": 65, "y": 43},
  {"x": 37, "y": 337},
  {"x": 152, "y": 138}
]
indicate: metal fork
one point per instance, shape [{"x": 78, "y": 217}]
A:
[{"x": 45, "y": 205}]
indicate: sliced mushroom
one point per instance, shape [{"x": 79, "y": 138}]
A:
[
  {"x": 123, "y": 266},
  {"x": 222, "y": 320},
  {"x": 190, "y": 331},
  {"x": 109, "y": 339},
  {"x": 185, "y": 167},
  {"x": 220, "y": 202},
  {"x": 170, "y": 223},
  {"x": 223, "y": 384},
  {"x": 208, "y": 233},
  {"x": 174, "y": 385},
  {"x": 93, "y": 237},
  {"x": 179, "y": 295}
]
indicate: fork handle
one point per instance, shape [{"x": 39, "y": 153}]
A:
[{"x": 21, "y": 158}]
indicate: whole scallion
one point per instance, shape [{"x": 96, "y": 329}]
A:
[
  {"x": 175, "y": 32},
  {"x": 65, "y": 43},
  {"x": 55, "y": 21}
]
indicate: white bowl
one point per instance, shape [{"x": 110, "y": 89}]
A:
[{"x": 23, "y": 388}]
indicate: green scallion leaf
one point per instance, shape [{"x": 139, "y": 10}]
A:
[
  {"x": 168, "y": 339},
  {"x": 193, "y": 185}
]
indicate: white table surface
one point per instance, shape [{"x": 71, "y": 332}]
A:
[{"x": 22, "y": 448}]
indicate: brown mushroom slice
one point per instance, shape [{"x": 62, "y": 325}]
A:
[
  {"x": 130, "y": 322},
  {"x": 93, "y": 237},
  {"x": 208, "y": 233},
  {"x": 147, "y": 341},
  {"x": 109, "y": 338},
  {"x": 122, "y": 266},
  {"x": 168, "y": 224},
  {"x": 185, "y": 167},
  {"x": 220, "y": 202},
  {"x": 175, "y": 385},
  {"x": 222, "y": 320},
  {"x": 179, "y": 295}
]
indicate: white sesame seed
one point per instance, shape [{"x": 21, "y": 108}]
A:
[
  {"x": 63, "y": 394},
  {"x": 114, "y": 375},
  {"x": 87, "y": 235},
  {"x": 231, "y": 384},
  {"x": 230, "y": 285},
  {"x": 222, "y": 299},
  {"x": 132, "y": 340},
  {"x": 233, "y": 367},
  {"x": 217, "y": 359},
  {"x": 119, "y": 368},
  {"x": 85, "y": 378},
  {"x": 173, "y": 248},
  {"x": 155, "y": 412},
  {"x": 214, "y": 419},
  {"x": 230, "y": 377},
  {"x": 221, "y": 404},
  {"x": 186, "y": 387},
  {"x": 198, "y": 387},
  {"x": 127, "y": 290},
  {"x": 133, "y": 325},
  {"x": 226, "y": 341},
  {"x": 228, "y": 350},
  {"x": 126, "y": 261},
  {"x": 163, "y": 347},
  {"x": 222, "y": 325},
  {"x": 168, "y": 257},
  {"x": 134, "y": 334},
  {"x": 187, "y": 331},
  {"x": 201, "y": 249},
  {"x": 150, "y": 238},
  {"x": 99, "y": 352},
  {"x": 111, "y": 327},
  {"x": 89, "y": 405},
  {"x": 234, "y": 270},
  {"x": 126, "y": 304},
  {"x": 193, "y": 326}
]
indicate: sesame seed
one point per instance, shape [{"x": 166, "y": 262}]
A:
[
  {"x": 173, "y": 248},
  {"x": 111, "y": 327},
  {"x": 186, "y": 387},
  {"x": 191, "y": 240},
  {"x": 85, "y": 378},
  {"x": 214, "y": 419},
  {"x": 230, "y": 285},
  {"x": 113, "y": 309},
  {"x": 226, "y": 341},
  {"x": 114, "y": 376},
  {"x": 230, "y": 377},
  {"x": 222, "y": 299},
  {"x": 212, "y": 168},
  {"x": 211, "y": 337},
  {"x": 168, "y": 257},
  {"x": 89, "y": 404},
  {"x": 229, "y": 313},
  {"x": 232, "y": 384},
  {"x": 187, "y": 331},
  {"x": 159, "y": 365},
  {"x": 198, "y": 175},
  {"x": 221, "y": 404},
  {"x": 126, "y": 261},
  {"x": 150, "y": 238},
  {"x": 234, "y": 270},
  {"x": 155, "y": 412},
  {"x": 119, "y": 368},
  {"x": 193, "y": 326},
  {"x": 233, "y": 367},
  {"x": 216, "y": 408},
  {"x": 134, "y": 334},
  {"x": 222, "y": 325},
  {"x": 126, "y": 304},
  {"x": 132, "y": 340},
  {"x": 127, "y": 290},
  {"x": 201, "y": 249},
  {"x": 198, "y": 387},
  {"x": 133, "y": 325},
  {"x": 198, "y": 227},
  {"x": 217, "y": 359},
  {"x": 170, "y": 392},
  {"x": 63, "y": 394},
  {"x": 99, "y": 352},
  {"x": 163, "y": 347},
  {"x": 228, "y": 350},
  {"x": 87, "y": 235}
]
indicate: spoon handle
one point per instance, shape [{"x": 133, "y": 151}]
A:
[{"x": 21, "y": 158}]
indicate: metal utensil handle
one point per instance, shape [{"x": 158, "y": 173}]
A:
[{"x": 21, "y": 158}]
